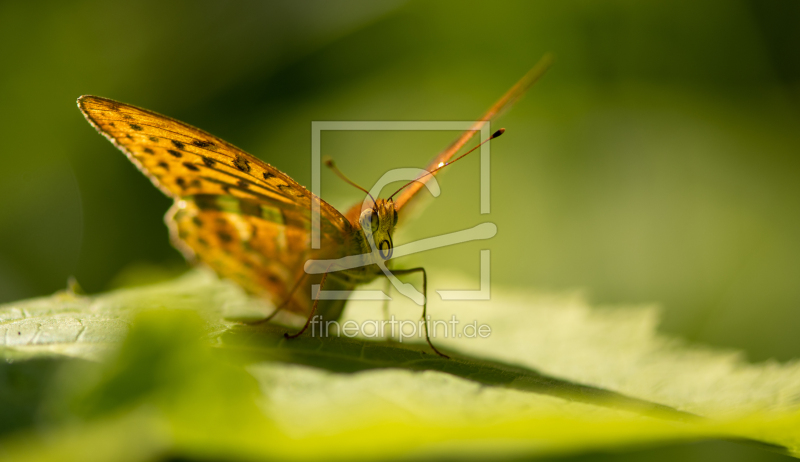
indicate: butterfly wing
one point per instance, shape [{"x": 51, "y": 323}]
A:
[
  {"x": 246, "y": 219},
  {"x": 502, "y": 105},
  {"x": 264, "y": 257}
]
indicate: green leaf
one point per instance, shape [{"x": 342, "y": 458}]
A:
[{"x": 157, "y": 372}]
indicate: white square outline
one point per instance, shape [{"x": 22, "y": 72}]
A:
[{"x": 317, "y": 127}]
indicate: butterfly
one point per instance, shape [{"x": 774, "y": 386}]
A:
[{"x": 252, "y": 223}]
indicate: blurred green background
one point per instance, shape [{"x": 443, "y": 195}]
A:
[{"x": 657, "y": 161}]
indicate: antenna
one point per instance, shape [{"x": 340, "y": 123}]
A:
[
  {"x": 445, "y": 164},
  {"x": 329, "y": 163}
]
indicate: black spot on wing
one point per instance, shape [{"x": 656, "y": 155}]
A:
[
  {"x": 197, "y": 221},
  {"x": 289, "y": 190},
  {"x": 268, "y": 175},
  {"x": 153, "y": 139},
  {"x": 164, "y": 165},
  {"x": 191, "y": 166},
  {"x": 136, "y": 127},
  {"x": 243, "y": 184},
  {"x": 209, "y": 161},
  {"x": 202, "y": 143},
  {"x": 181, "y": 182},
  {"x": 178, "y": 144},
  {"x": 148, "y": 151},
  {"x": 242, "y": 164},
  {"x": 174, "y": 153},
  {"x": 224, "y": 237}
]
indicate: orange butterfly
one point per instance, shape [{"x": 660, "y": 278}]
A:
[{"x": 249, "y": 221}]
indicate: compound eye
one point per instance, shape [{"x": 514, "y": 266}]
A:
[
  {"x": 386, "y": 249},
  {"x": 369, "y": 219},
  {"x": 374, "y": 222},
  {"x": 395, "y": 218}
]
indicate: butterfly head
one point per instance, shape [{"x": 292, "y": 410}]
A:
[{"x": 377, "y": 223}]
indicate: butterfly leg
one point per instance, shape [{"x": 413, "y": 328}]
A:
[
  {"x": 424, "y": 304},
  {"x": 387, "y": 288},
  {"x": 283, "y": 304},
  {"x": 313, "y": 309}
]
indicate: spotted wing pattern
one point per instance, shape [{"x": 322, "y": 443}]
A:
[{"x": 244, "y": 218}]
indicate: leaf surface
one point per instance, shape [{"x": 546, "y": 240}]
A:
[{"x": 160, "y": 365}]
